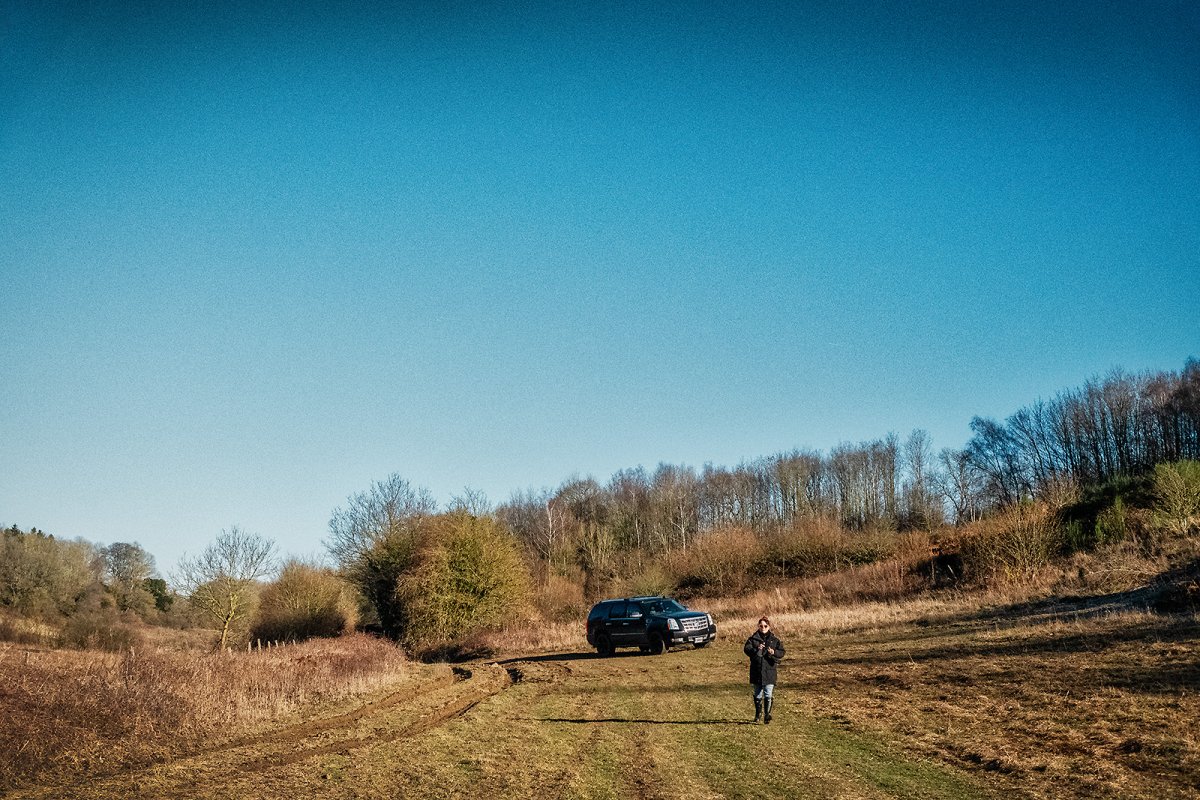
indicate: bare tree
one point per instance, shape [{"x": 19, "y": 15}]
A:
[
  {"x": 220, "y": 581},
  {"x": 535, "y": 522},
  {"x": 471, "y": 501},
  {"x": 676, "y": 499},
  {"x": 922, "y": 512},
  {"x": 374, "y": 539},
  {"x": 372, "y": 516},
  {"x": 959, "y": 483}
]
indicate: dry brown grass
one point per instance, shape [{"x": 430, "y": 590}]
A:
[
  {"x": 68, "y": 711},
  {"x": 1055, "y": 700},
  {"x": 549, "y": 637}
]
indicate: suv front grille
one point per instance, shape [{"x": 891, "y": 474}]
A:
[{"x": 693, "y": 624}]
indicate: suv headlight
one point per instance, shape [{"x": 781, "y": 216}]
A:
[
  {"x": 710, "y": 620},
  {"x": 673, "y": 624}
]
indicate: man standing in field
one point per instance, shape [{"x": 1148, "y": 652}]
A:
[{"x": 765, "y": 650}]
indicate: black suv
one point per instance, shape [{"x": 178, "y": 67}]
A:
[{"x": 650, "y": 623}]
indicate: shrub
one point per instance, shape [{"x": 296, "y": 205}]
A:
[
  {"x": 44, "y": 576},
  {"x": 650, "y": 579},
  {"x": 99, "y": 629},
  {"x": 808, "y": 547},
  {"x": 719, "y": 563},
  {"x": 306, "y": 601},
  {"x": 820, "y": 545},
  {"x": 1015, "y": 544},
  {"x": 468, "y": 577},
  {"x": 1177, "y": 496},
  {"x": 560, "y": 598},
  {"x": 1089, "y": 521},
  {"x": 1111, "y": 525}
]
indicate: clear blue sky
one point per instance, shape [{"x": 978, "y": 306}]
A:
[{"x": 254, "y": 257}]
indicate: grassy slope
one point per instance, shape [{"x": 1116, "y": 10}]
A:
[{"x": 1051, "y": 701}]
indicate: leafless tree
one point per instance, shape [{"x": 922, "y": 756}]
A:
[
  {"x": 921, "y": 511},
  {"x": 371, "y": 516},
  {"x": 472, "y": 501},
  {"x": 959, "y": 483},
  {"x": 538, "y": 522},
  {"x": 220, "y": 582}
]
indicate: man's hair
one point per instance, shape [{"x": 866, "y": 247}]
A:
[{"x": 764, "y": 619}]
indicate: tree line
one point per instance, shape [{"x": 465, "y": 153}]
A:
[{"x": 1120, "y": 425}]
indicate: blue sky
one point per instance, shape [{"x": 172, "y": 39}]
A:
[{"x": 254, "y": 258}]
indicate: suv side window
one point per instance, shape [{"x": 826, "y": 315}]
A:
[{"x": 617, "y": 611}]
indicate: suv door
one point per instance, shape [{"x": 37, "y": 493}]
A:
[{"x": 619, "y": 624}]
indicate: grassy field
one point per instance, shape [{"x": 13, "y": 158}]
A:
[{"x": 926, "y": 700}]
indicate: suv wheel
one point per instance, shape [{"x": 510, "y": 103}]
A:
[
  {"x": 657, "y": 646},
  {"x": 604, "y": 645}
]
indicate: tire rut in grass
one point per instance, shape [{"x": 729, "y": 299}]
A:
[
  {"x": 304, "y": 730},
  {"x": 466, "y": 693}
]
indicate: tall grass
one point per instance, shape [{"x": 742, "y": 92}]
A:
[{"x": 66, "y": 711}]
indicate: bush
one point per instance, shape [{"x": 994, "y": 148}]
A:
[
  {"x": 468, "y": 577},
  {"x": 377, "y": 573},
  {"x": 809, "y": 547},
  {"x": 1111, "y": 524},
  {"x": 1015, "y": 544},
  {"x": 560, "y": 598},
  {"x": 306, "y": 601},
  {"x": 818, "y": 546},
  {"x": 1091, "y": 520},
  {"x": 99, "y": 629},
  {"x": 651, "y": 579},
  {"x": 44, "y": 576},
  {"x": 720, "y": 562},
  {"x": 1177, "y": 496}
]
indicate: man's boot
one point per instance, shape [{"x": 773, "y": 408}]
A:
[
  {"x": 767, "y": 710},
  {"x": 757, "y": 709}
]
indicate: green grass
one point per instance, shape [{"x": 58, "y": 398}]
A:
[{"x": 678, "y": 725}]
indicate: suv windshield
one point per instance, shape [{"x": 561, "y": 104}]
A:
[{"x": 664, "y": 606}]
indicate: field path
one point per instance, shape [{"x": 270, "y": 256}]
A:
[{"x": 557, "y": 725}]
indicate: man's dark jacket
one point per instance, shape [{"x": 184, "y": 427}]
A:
[{"x": 762, "y": 665}]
